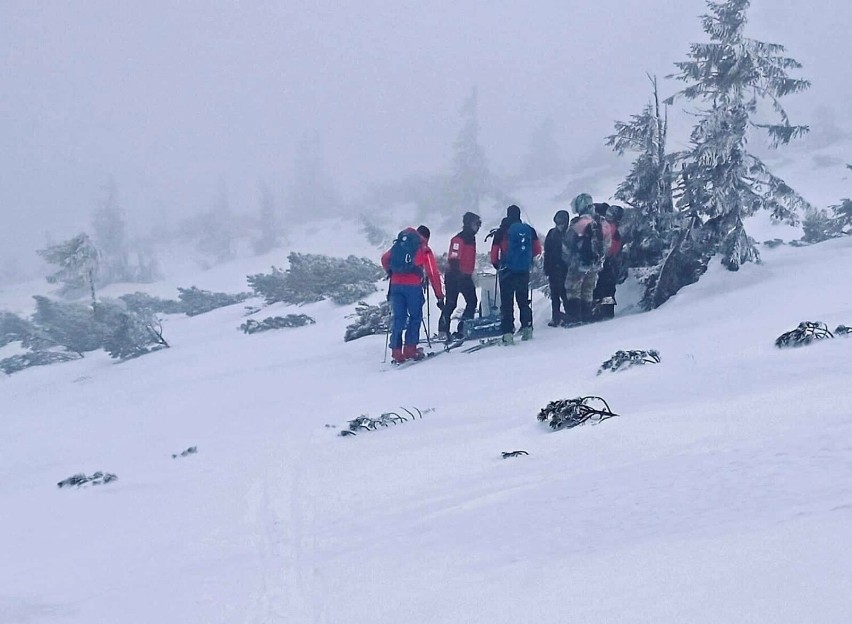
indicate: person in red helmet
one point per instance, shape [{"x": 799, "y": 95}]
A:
[{"x": 409, "y": 262}]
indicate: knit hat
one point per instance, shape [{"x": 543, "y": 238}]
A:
[
  {"x": 424, "y": 231},
  {"x": 582, "y": 204},
  {"x": 561, "y": 216},
  {"x": 513, "y": 212},
  {"x": 469, "y": 218},
  {"x": 614, "y": 213}
]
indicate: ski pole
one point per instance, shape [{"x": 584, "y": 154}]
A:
[
  {"x": 387, "y": 337},
  {"x": 496, "y": 289},
  {"x": 428, "y": 319},
  {"x": 390, "y": 324}
]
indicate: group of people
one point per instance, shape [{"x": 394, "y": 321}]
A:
[{"x": 580, "y": 262}]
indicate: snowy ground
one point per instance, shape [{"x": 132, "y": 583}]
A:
[{"x": 723, "y": 493}]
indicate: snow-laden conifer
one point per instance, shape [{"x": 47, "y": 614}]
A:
[
  {"x": 469, "y": 180},
  {"x": 733, "y": 78},
  {"x": 78, "y": 260},
  {"x": 648, "y": 186},
  {"x": 110, "y": 235}
]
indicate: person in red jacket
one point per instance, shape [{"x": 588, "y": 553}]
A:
[
  {"x": 514, "y": 246},
  {"x": 458, "y": 279},
  {"x": 409, "y": 262}
]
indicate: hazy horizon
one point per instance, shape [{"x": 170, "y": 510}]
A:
[{"x": 175, "y": 102}]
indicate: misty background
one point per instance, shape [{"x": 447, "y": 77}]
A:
[{"x": 169, "y": 109}]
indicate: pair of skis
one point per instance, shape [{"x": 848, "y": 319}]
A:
[
  {"x": 448, "y": 346},
  {"x": 490, "y": 342}
]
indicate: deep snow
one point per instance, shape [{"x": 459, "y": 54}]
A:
[{"x": 721, "y": 494}]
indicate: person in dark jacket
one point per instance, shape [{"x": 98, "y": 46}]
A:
[
  {"x": 406, "y": 296},
  {"x": 555, "y": 268},
  {"x": 611, "y": 273},
  {"x": 514, "y": 267},
  {"x": 458, "y": 279}
]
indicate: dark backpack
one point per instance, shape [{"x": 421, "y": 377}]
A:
[
  {"x": 585, "y": 249},
  {"x": 590, "y": 244},
  {"x": 403, "y": 251},
  {"x": 519, "y": 248}
]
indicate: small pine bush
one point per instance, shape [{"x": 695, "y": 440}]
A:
[{"x": 313, "y": 277}]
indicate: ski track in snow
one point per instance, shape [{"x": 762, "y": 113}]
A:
[{"x": 722, "y": 493}]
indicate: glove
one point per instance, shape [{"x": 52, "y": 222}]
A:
[{"x": 441, "y": 304}]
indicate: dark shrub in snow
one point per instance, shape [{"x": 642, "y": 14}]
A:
[
  {"x": 806, "y": 333},
  {"x": 567, "y": 413},
  {"x": 369, "y": 320},
  {"x": 143, "y": 302},
  {"x": 196, "y": 301},
  {"x": 19, "y": 362},
  {"x": 276, "y": 322},
  {"x": 625, "y": 359},
  {"x": 313, "y": 278}
]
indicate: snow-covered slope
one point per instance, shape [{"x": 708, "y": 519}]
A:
[{"x": 721, "y": 494}]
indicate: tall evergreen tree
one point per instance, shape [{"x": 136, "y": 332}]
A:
[
  {"x": 722, "y": 182},
  {"x": 311, "y": 192},
  {"x": 267, "y": 223},
  {"x": 78, "y": 260},
  {"x": 216, "y": 229},
  {"x": 470, "y": 178},
  {"x": 648, "y": 186},
  {"x": 543, "y": 160},
  {"x": 110, "y": 236}
]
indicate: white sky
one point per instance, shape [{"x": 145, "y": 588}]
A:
[{"x": 173, "y": 98}]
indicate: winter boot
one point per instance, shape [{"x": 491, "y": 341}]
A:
[
  {"x": 459, "y": 333},
  {"x": 572, "y": 313},
  {"x": 586, "y": 309},
  {"x": 397, "y": 357},
  {"x": 605, "y": 308},
  {"x": 413, "y": 352},
  {"x": 443, "y": 336},
  {"x": 526, "y": 333},
  {"x": 508, "y": 339},
  {"x": 556, "y": 321}
]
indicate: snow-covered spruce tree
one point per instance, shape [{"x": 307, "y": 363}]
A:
[
  {"x": 78, "y": 260},
  {"x": 369, "y": 320},
  {"x": 821, "y": 224},
  {"x": 648, "y": 186},
  {"x": 375, "y": 234},
  {"x": 214, "y": 229},
  {"x": 195, "y": 301},
  {"x": 313, "y": 277},
  {"x": 842, "y": 217},
  {"x": 129, "y": 334},
  {"x": 311, "y": 191},
  {"x": 13, "y": 328},
  {"x": 469, "y": 179},
  {"x": 109, "y": 233},
  {"x": 143, "y": 303},
  {"x": 68, "y": 324},
  {"x": 543, "y": 160},
  {"x": 267, "y": 223},
  {"x": 722, "y": 182}
]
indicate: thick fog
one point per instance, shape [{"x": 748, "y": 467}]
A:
[{"x": 180, "y": 102}]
